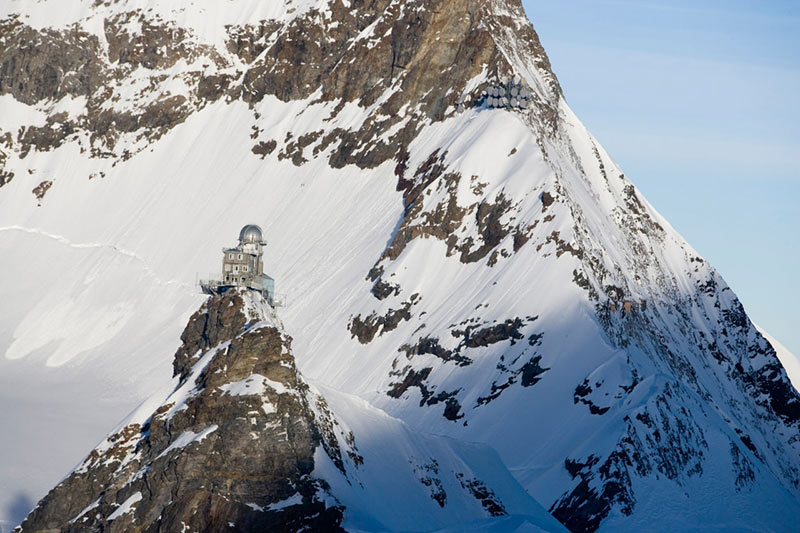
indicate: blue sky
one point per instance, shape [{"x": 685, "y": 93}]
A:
[{"x": 699, "y": 102}]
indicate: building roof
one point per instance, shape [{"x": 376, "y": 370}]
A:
[{"x": 251, "y": 234}]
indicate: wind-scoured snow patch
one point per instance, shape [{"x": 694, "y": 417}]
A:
[
  {"x": 256, "y": 385},
  {"x": 295, "y": 499},
  {"x": 253, "y": 385},
  {"x": 189, "y": 388},
  {"x": 126, "y": 506},
  {"x": 88, "y": 508},
  {"x": 188, "y": 437}
]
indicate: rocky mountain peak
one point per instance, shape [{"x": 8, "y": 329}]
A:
[
  {"x": 231, "y": 448},
  {"x": 244, "y": 443},
  {"x": 146, "y": 71}
]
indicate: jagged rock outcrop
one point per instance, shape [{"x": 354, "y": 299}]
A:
[
  {"x": 244, "y": 443},
  {"x": 420, "y": 61},
  {"x": 231, "y": 449}
]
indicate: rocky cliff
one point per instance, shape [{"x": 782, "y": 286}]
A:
[
  {"x": 408, "y": 63},
  {"x": 232, "y": 448}
]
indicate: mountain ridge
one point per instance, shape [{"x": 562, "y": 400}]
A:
[
  {"x": 460, "y": 267},
  {"x": 242, "y": 442}
]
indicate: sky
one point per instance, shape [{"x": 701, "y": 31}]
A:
[{"x": 699, "y": 103}]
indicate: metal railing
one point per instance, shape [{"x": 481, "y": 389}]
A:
[{"x": 278, "y": 299}]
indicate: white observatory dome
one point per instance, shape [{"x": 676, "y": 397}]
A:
[{"x": 251, "y": 234}]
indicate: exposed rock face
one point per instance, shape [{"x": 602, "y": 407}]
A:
[
  {"x": 231, "y": 449},
  {"x": 243, "y": 443},
  {"x": 422, "y": 59}
]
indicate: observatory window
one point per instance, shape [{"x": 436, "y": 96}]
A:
[
  {"x": 230, "y": 256},
  {"x": 244, "y": 268},
  {"x": 236, "y": 268},
  {"x": 240, "y": 256}
]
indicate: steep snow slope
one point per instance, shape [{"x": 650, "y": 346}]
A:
[
  {"x": 464, "y": 269},
  {"x": 404, "y": 470},
  {"x": 789, "y": 360}
]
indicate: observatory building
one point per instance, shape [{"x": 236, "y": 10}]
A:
[{"x": 242, "y": 266}]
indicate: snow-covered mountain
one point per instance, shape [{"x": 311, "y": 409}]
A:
[
  {"x": 241, "y": 442},
  {"x": 790, "y": 362},
  {"x": 478, "y": 272}
]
